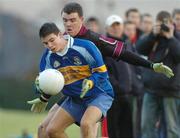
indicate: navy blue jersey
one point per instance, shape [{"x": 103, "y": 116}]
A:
[{"x": 79, "y": 60}]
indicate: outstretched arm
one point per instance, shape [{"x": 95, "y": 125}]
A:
[
  {"x": 134, "y": 59},
  {"x": 117, "y": 49}
]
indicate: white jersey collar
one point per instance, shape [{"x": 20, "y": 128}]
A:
[{"x": 69, "y": 44}]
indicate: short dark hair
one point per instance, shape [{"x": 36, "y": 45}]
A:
[
  {"x": 131, "y": 10},
  {"x": 48, "y": 28},
  {"x": 163, "y": 16},
  {"x": 92, "y": 19},
  {"x": 175, "y": 11},
  {"x": 145, "y": 15},
  {"x": 73, "y": 7}
]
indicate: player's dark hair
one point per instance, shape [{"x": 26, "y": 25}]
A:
[
  {"x": 48, "y": 28},
  {"x": 73, "y": 7},
  {"x": 131, "y": 10}
]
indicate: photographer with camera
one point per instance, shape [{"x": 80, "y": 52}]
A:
[{"x": 162, "y": 95}]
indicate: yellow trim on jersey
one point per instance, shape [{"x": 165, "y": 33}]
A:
[
  {"x": 75, "y": 73},
  {"x": 100, "y": 69}
]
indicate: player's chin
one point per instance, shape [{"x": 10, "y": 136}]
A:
[
  {"x": 53, "y": 50},
  {"x": 71, "y": 33}
]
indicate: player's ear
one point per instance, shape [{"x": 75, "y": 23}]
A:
[
  {"x": 60, "y": 34},
  {"x": 82, "y": 18}
]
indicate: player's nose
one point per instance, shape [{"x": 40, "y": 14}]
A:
[
  {"x": 68, "y": 23},
  {"x": 50, "y": 45}
]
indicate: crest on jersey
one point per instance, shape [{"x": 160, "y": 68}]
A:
[
  {"x": 77, "y": 61},
  {"x": 56, "y": 64}
]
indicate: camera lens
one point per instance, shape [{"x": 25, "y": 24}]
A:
[{"x": 165, "y": 28}]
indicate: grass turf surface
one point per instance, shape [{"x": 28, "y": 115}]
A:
[{"x": 12, "y": 122}]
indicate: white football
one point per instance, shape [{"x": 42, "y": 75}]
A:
[{"x": 51, "y": 81}]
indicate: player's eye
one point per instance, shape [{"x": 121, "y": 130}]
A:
[
  {"x": 45, "y": 43},
  {"x": 51, "y": 40},
  {"x": 65, "y": 20},
  {"x": 73, "y": 20}
]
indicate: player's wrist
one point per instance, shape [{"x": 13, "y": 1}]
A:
[
  {"x": 44, "y": 97},
  {"x": 152, "y": 66}
]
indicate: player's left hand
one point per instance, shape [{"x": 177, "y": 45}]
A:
[
  {"x": 38, "y": 106},
  {"x": 86, "y": 86},
  {"x": 161, "y": 68}
]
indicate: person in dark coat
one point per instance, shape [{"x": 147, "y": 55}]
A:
[
  {"x": 119, "y": 117},
  {"x": 162, "y": 96}
]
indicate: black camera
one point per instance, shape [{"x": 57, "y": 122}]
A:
[{"x": 164, "y": 28}]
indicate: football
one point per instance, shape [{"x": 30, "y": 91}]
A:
[{"x": 51, "y": 81}]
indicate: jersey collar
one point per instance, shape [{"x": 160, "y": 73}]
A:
[{"x": 69, "y": 45}]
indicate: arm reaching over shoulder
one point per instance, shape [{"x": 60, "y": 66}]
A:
[{"x": 137, "y": 60}]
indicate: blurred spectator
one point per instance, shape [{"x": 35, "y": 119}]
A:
[
  {"x": 130, "y": 32},
  {"x": 93, "y": 24},
  {"x": 25, "y": 134},
  {"x": 137, "y": 84},
  {"x": 146, "y": 24},
  {"x": 176, "y": 20},
  {"x": 133, "y": 15},
  {"x": 119, "y": 119},
  {"x": 115, "y": 26},
  {"x": 161, "y": 99}
]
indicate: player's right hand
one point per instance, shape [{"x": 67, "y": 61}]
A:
[
  {"x": 161, "y": 68},
  {"x": 86, "y": 86},
  {"x": 38, "y": 105}
]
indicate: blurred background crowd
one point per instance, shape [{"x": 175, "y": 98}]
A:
[{"x": 138, "y": 97}]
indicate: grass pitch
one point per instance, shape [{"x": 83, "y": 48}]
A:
[{"x": 12, "y": 122}]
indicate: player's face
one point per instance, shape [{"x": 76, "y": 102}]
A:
[
  {"x": 54, "y": 42},
  {"x": 72, "y": 23}
]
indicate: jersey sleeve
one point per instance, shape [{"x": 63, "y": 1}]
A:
[
  {"x": 118, "y": 50},
  {"x": 115, "y": 49},
  {"x": 96, "y": 63},
  {"x": 108, "y": 46},
  {"x": 44, "y": 62},
  {"x": 113, "y": 44}
]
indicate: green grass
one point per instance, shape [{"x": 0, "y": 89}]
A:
[{"x": 12, "y": 122}]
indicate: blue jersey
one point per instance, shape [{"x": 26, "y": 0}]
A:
[{"x": 78, "y": 61}]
